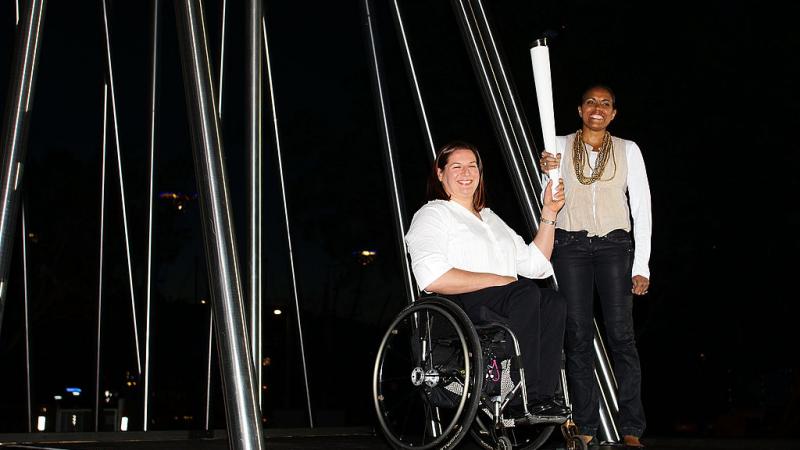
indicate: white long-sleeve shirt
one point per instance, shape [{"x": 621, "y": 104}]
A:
[
  {"x": 638, "y": 200},
  {"x": 444, "y": 235}
]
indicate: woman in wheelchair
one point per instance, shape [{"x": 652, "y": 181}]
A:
[{"x": 462, "y": 250}]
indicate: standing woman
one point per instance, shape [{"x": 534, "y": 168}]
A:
[{"x": 595, "y": 249}]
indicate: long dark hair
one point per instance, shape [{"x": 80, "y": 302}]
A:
[{"x": 436, "y": 190}]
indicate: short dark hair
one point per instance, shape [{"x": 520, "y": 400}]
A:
[
  {"x": 599, "y": 86},
  {"x": 436, "y": 190}
]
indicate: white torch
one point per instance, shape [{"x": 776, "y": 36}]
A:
[{"x": 540, "y": 58}]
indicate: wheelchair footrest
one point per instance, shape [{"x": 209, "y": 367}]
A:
[{"x": 532, "y": 419}]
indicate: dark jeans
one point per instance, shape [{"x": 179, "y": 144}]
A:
[
  {"x": 581, "y": 264},
  {"x": 536, "y": 316}
]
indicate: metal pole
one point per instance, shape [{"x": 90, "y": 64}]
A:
[
  {"x": 500, "y": 117},
  {"x": 412, "y": 73},
  {"x": 518, "y": 121},
  {"x": 243, "y": 418},
  {"x": 154, "y": 22},
  {"x": 115, "y": 122},
  {"x": 15, "y": 131},
  {"x": 222, "y": 55},
  {"x": 208, "y": 367},
  {"x": 501, "y": 97},
  {"x": 607, "y": 384},
  {"x": 27, "y": 319},
  {"x": 254, "y": 180},
  {"x": 100, "y": 269},
  {"x": 211, "y": 310},
  {"x": 395, "y": 188},
  {"x": 286, "y": 219}
]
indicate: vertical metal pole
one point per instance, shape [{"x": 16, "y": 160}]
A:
[
  {"x": 154, "y": 33},
  {"x": 286, "y": 219},
  {"x": 27, "y": 319},
  {"x": 412, "y": 73},
  {"x": 243, "y": 418},
  {"x": 100, "y": 269},
  {"x": 254, "y": 151},
  {"x": 115, "y": 123},
  {"x": 388, "y": 146},
  {"x": 15, "y": 131}
]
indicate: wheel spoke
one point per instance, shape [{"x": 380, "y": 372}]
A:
[{"x": 422, "y": 393}]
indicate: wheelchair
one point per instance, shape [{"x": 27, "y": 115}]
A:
[{"x": 438, "y": 377}]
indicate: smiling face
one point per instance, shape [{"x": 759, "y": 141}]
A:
[
  {"x": 597, "y": 109},
  {"x": 460, "y": 177}
]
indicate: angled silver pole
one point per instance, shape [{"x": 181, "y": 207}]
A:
[
  {"x": 395, "y": 189},
  {"x": 208, "y": 367},
  {"x": 27, "y": 319},
  {"x": 100, "y": 266},
  {"x": 519, "y": 122},
  {"x": 286, "y": 219},
  {"x": 499, "y": 92},
  {"x": 221, "y": 77},
  {"x": 607, "y": 383},
  {"x": 211, "y": 310},
  {"x": 115, "y": 123},
  {"x": 254, "y": 181},
  {"x": 154, "y": 39},
  {"x": 240, "y": 393},
  {"x": 412, "y": 73},
  {"x": 15, "y": 131},
  {"x": 499, "y": 114}
]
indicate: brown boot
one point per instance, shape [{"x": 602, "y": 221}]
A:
[{"x": 632, "y": 441}]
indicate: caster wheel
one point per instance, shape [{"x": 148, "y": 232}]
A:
[
  {"x": 504, "y": 443},
  {"x": 576, "y": 443}
]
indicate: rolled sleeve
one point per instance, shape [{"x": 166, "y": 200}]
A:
[
  {"x": 531, "y": 262},
  {"x": 427, "y": 246}
]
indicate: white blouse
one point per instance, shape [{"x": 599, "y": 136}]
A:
[
  {"x": 638, "y": 199},
  {"x": 445, "y": 235}
]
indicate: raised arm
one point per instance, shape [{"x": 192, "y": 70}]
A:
[{"x": 547, "y": 230}]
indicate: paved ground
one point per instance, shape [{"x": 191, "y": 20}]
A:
[{"x": 334, "y": 439}]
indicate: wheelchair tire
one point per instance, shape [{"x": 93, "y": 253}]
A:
[{"x": 428, "y": 376}]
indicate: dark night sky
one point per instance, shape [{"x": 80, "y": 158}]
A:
[{"x": 707, "y": 89}]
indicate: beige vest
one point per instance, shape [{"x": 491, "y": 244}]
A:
[{"x": 599, "y": 207}]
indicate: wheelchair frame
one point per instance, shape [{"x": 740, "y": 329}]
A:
[{"x": 444, "y": 396}]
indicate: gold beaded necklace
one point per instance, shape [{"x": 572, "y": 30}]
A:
[{"x": 580, "y": 157}]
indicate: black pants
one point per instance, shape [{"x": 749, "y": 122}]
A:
[
  {"x": 581, "y": 264},
  {"x": 536, "y": 316}
]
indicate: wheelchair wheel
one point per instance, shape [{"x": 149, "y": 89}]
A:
[{"x": 427, "y": 379}]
